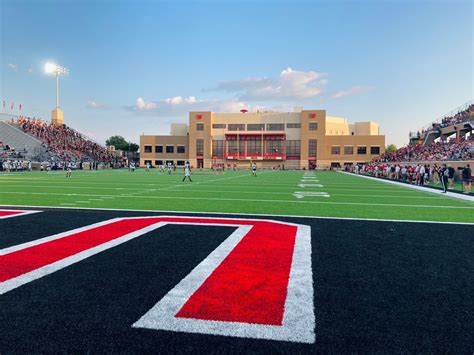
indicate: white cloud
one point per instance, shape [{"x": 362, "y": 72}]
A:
[
  {"x": 290, "y": 85},
  {"x": 95, "y": 105},
  {"x": 13, "y": 66},
  {"x": 348, "y": 92},
  {"x": 141, "y": 104},
  {"x": 29, "y": 71},
  {"x": 179, "y": 106}
]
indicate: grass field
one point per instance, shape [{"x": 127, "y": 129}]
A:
[{"x": 272, "y": 192}]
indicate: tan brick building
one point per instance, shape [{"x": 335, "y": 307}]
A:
[{"x": 300, "y": 139}]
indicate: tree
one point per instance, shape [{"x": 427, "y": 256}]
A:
[
  {"x": 121, "y": 143},
  {"x": 118, "y": 142},
  {"x": 391, "y": 148},
  {"x": 134, "y": 147}
]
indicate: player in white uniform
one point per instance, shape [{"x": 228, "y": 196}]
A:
[
  {"x": 68, "y": 170},
  {"x": 170, "y": 167},
  {"x": 187, "y": 172},
  {"x": 254, "y": 170}
]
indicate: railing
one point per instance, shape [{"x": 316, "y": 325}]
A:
[
  {"x": 439, "y": 120},
  {"x": 8, "y": 118}
]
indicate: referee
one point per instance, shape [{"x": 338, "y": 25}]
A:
[{"x": 444, "y": 174}]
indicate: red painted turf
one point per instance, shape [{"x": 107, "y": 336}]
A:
[{"x": 249, "y": 286}]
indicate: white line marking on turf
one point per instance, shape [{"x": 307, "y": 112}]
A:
[
  {"x": 245, "y": 214},
  {"x": 310, "y": 185},
  {"x": 414, "y": 187},
  {"x": 249, "y": 200},
  {"x": 301, "y": 194}
]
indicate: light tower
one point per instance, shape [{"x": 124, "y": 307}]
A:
[{"x": 54, "y": 69}]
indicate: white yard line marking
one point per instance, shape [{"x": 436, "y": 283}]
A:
[
  {"x": 302, "y": 194},
  {"x": 245, "y": 214},
  {"x": 242, "y": 199}
]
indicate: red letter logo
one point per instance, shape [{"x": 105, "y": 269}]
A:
[{"x": 257, "y": 283}]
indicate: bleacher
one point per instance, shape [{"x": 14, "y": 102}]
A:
[
  {"x": 458, "y": 122},
  {"x": 22, "y": 145}
]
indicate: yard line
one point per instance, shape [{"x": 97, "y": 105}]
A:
[
  {"x": 250, "y": 200},
  {"x": 244, "y": 214},
  {"x": 257, "y": 190}
]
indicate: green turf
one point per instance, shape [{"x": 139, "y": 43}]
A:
[{"x": 238, "y": 192}]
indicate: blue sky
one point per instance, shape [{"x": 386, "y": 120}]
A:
[{"x": 136, "y": 66}]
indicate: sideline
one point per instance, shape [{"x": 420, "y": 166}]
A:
[
  {"x": 459, "y": 196},
  {"x": 243, "y": 214}
]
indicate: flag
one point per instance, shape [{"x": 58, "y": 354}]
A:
[
  {"x": 20, "y": 107},
  {"x": 4, "y": 104},
  {"x": 11, "y": 107}
]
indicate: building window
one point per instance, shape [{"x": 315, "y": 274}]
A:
[
  {"x": 313, "y": 126},
  {"x": 180, "y": 149},
  {"x": 236, "y": 127},
  {"x": 218, "y": 148},
  {"x": 274, "y": 147},
  {"x": 147, "y": 162},
  {"x": 255, "y": 127},
  {"x": 199, "y": 126},
  {"x": 335, "y": 150},
  {"x": 361, "y": 150},
  {"x": 219, "y": 125},
  {"x": 275, "y": 126},
  {"x": 348, "y": 150},
  {"x": 312, "y": 147},
  {"x": 180, "y": 163},
  {"x": 200, "y": 147},
  {"x": 293, "y": 125},
  {"x": 293, "y": 149},
  {"x": 158, "y": 162},
  {"x": 169, "y": 149},
  {"x": 158, "y": 149},
  {"x": 254, "y": 147},
  {"x": 148, "y": 149},
  {"x": 375, "y": 150}
]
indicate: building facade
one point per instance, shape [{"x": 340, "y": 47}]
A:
[{"x": 297, "y": 140}]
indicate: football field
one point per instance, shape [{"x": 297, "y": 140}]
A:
[
  {"x": 294, "y": 193},
  {"x": 141, "y": 262}
]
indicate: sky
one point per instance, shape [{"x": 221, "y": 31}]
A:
[{"x": 137, "y": 66}]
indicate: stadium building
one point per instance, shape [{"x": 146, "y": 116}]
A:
[{"x": 299, "y": 139}]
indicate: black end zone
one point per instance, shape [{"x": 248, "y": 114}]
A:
[{"x": 379, "y": 286}]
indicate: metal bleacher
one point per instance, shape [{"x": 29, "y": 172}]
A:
[
  {"x": 428, "y": 134},
  {"x": 27, "y": 146}
]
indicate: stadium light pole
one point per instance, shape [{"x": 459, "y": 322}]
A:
[{"x": 56, "y": 70}]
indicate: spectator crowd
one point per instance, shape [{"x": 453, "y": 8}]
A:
[
  {"x": 451, "y": 120},
  {"x": 64, "y": 141},
  {"x": 462, "y": 149}
]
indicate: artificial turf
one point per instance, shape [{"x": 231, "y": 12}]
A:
[{"x": 271, "y": 192}]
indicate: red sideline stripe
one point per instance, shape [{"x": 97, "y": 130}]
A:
[
  {"x": 7, "y": 213},
  {"x": 25, "y": 260},
  {"x": 250, "y": 285}
]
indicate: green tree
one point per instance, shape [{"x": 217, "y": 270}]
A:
[
  {"x": 121, "y": 143},
  {"x": 134, "y": 147},
  {"x": 391, "y": 148}
]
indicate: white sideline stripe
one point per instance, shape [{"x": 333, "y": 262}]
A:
[
  {"x": 210, "y": 188},
  {"x": 23, "y": 213},
  {"x": 298, "y": 321},
  {"x": 183, "y": 213},
  {"x": 244, "y": 199},
  {"x": 414, "y": 187}
]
